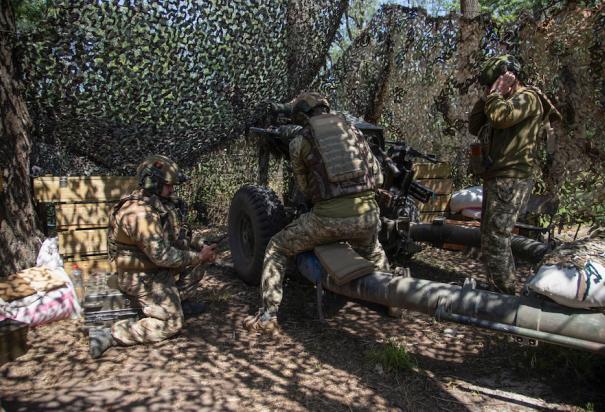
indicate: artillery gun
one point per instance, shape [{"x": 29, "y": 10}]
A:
[{"x": 256, "y": 214}]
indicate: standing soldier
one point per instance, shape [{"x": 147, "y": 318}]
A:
[
  {"x": 155, "y": 263},
  {"x": 336, "y": 170},
  {"x": 508, "y": 120}
]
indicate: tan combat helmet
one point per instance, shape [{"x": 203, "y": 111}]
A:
[
  {"x": 307, "y": 101},
  {"x": 157, "y": 170}
]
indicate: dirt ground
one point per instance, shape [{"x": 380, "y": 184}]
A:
[{"x": 214, "y": 364}]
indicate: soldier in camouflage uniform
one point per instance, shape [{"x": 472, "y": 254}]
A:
[
  {"x": 335, "y": 169},
  {"x": 156, "y": 264},
  {"x": 512, "y": 114}
]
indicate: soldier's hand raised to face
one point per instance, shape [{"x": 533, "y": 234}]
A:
[
  {"x": 208, "y": 253},
  {"x": 504, "y": 84}
]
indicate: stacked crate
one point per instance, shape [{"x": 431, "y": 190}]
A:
[
  {"x": 81, "y": 208},
  {"x": 437, "y": 177}
]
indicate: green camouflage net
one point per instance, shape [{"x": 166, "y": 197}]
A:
[
  {"x": 411, "y": 74},
  {"x": 115, "y": 81},
  {"x": 111, "y": 82}
]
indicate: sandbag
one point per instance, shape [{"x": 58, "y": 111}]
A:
[
  {"x": 568, "y": 286},
  {"x": 342, "y": 263},
  {"x": 472, "y": 213},
  {"x": 48, "y": 255},
  {"x": 469, "y": 198}
]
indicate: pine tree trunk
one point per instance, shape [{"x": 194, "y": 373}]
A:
[
  {"x": 19, "y": 233},
  {"x": 470, "y": 8}
]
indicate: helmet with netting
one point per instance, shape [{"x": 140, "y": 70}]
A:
[
  {"x": 156, "y": 171},
  {"x": 494, "y": 67},
  {"x": 307, "y": 101}
]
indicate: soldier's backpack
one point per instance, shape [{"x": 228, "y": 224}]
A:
[{"x": 550, "y": 114}]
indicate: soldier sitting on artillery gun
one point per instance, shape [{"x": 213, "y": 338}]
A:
[
  {"x": 336, "y": 170},
  {"x": 156, "y": 264}
]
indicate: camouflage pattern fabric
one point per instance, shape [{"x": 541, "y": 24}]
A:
[
  {"x": 146, "y": 231},
  {"x": 503, "y": 199},
  {"x": 576, "y": 254},
  {"x": 159, "y": 296},
  {"x": 308, "y": 231}
]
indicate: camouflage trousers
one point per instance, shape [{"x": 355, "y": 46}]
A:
[
  {"x": 308, "y": 231},
  {"x": 159, "y": 294},
  {"x": 503, "y": 200}
]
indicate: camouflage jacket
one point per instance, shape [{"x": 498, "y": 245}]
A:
[{"x": 145, "y": 234}]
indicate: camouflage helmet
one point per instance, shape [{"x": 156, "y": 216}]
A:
[
  {"x": 307, "y": 101},
  {"x": 496, "y": 66},
  {"x": 157, "y": 170}
]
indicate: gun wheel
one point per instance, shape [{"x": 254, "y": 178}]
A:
[{"x": 255, "y": 215}]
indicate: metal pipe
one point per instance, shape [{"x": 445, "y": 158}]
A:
[
  {"x": 439, "y": 233},
  {"x": 520, "y": 311},
  {"x": 524, "y": 332}
]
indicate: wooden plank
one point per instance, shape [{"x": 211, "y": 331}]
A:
[
  {"x": 437, "y": 204},
  {"x": 439, "y": 186},
  {"x": 82, "y": 242},
  {"x": 82, "y": 188},
  {"x": 432, "y": 170},
  {"x": 82, "y": 215},
  {"x": 90, "y": 265}
]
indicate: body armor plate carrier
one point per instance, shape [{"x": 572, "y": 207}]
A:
[{"x": 340, "y": 159}]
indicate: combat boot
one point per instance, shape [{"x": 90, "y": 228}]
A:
[
  {"x": 263, "y": 322},
  {"x": 100, "y": 340}
]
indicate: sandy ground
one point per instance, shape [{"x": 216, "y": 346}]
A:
[{"x": 214, "y": 364}]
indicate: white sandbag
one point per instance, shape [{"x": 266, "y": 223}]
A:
[
  {"x": 571, "y": 287},
  {"x": 49, "y": 254},
  {"x": 471, "y": 213},
  {"x": 469, "y": 198}
]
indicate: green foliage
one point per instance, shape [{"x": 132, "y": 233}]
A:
[
  {"x": 219, "y": 174},
  {"x": 550, "y": 361},
  {"x": 581, "y": 200},
  {"x": 509, "y": 10},
  {"x": 392, "y": 356},
  {"x": 29, "y": 13},
  {"x": 354, "y": 22}
]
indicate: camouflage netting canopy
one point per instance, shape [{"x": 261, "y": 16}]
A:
[
  {"x": 111, "y": 82},
  {"x": 115, "y": 81},
  {"x": 416, "y": 75}
]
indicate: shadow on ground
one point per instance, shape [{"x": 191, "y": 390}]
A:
[{"x": 215, "y": 364}]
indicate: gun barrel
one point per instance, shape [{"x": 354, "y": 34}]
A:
[{"x": 261, "y": 131}]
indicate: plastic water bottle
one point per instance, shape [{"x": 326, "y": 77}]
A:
[{"x": 76, "y": 277}]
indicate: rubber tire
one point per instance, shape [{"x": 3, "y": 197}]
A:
[{"x": 261, "y": 214}]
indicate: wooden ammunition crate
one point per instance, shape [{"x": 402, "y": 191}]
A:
[
  {"x": 81, "y": 208},
  {"x": 437, "y": 177}
]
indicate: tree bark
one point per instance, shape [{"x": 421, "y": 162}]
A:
[
  {"x": 470, "y": 8},
  {"x": 19, "y": 233}
]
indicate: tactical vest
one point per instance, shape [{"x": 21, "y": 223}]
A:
[
  {"x": 340, "y": 159},
  {"x": 128, "y": 255}
]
